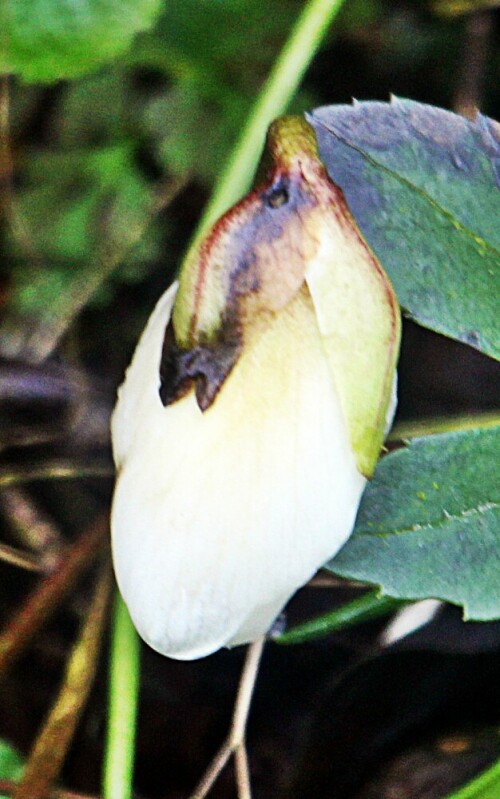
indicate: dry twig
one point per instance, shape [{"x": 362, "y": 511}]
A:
[
  {"x": 24, "y": 560},
  {"x": 235, "y": 742},
  {"x": 49, "y": 593},
  {"x": 478, "y": 30},
  {"x": 33, "y": 528},
  {"x": 8, "y": 787},
  {"x": 48, "y": 754},
  {"x": 57, "y": 469}
]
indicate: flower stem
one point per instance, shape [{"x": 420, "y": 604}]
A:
[
  {"x": 123, "y": 701},
  {"x": 276, "y": 93}
]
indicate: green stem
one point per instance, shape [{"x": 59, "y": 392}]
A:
[
  {"x": 123, "y": 701},
  {"x": 486, "y": 786},
  {"x": 272, "y": 101},
  {"x": 366, "y": 607}
]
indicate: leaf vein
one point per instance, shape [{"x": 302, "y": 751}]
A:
[
  {"x": 457, "y": 224},
  {"x": 437, "y": 524}
]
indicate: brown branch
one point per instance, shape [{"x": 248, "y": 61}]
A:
[
  {"x": 24, "y": 560},
  {"x": 49, "y": 752},
  {"x": 49, "y": 594},
  {"x": 6, "y": 165},
  {"x": 61, "y": 469},
  {"x": 8, "y": 787},
  {"x": 478, "y": 29},
  {"x": 33, "y": 528}
]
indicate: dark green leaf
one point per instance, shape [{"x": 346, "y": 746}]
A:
[
  {"x": 429, "y": 523},
  {"x": 46, "y": 40},
  {"x": 423, "y": 185}
]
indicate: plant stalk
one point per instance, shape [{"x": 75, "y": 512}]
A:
[
  {"x": 123, "y": 703},
  {"x": 273, "y": 99}
]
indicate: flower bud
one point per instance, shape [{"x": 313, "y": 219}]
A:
[{"x": 253, "y": 410}]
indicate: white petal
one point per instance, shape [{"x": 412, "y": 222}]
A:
[
  {"x": 142, "y": 380},
  {"x": 220, "y": 517}
]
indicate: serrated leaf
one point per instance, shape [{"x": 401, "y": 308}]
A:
[
  {"x": 423, "y": 185},
  {"x": 429, "y": 524},
  {"x": 47, "y": 40}
]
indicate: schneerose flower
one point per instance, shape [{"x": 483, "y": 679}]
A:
[{"x": 253, "y": 411}]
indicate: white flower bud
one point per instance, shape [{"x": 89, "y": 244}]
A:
[{"x": 241, "y": 433}]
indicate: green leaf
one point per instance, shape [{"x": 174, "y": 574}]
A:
[
  {"x": 11, "y": 764},
  {"x": 83, "y": 210},
  {"x": 46, "y": 40},
  {"x": 485, "y": 786},
  {"x": 429, "y": 523},
  {"x": 423, "y": 185},
  {"x": 68, "y": 197}
]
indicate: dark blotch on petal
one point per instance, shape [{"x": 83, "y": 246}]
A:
[{"x": 205, "y": 366}]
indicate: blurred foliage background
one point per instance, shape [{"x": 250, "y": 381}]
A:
[{"x": 103, "y": 178}]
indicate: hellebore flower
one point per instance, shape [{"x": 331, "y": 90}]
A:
[{"x": 253, "y": 410}]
